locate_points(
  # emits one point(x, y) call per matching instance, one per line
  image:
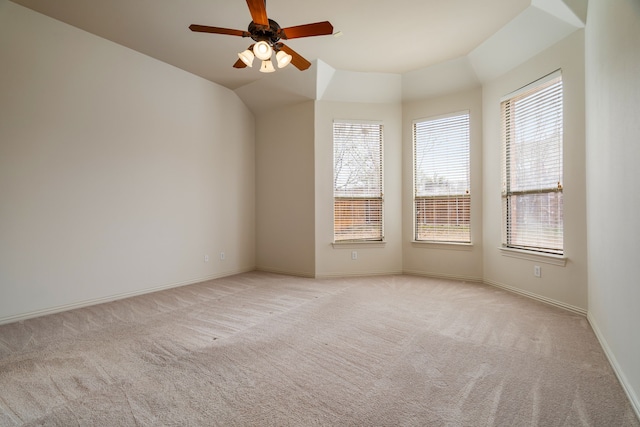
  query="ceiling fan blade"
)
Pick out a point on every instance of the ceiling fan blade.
point(218, 30)
point(298, 61)
point(258, 11)
point(308, 30)
point(239, 64)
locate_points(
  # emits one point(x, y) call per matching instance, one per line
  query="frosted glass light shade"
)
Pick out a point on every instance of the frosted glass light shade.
point(283, 59)
point(267, 67)
point(247, 57)
point(262, 50)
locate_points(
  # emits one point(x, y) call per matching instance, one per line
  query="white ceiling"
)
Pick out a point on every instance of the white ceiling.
point(377, 35)
point(415, 38)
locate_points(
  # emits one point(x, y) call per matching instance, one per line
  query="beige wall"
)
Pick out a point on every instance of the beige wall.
point(613, 155)
point(444, 260)
point(284, 182)
point(565, 285)
point(118, 173)
point(372, 258)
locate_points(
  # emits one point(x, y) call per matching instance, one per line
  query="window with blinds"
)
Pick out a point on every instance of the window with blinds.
point(532, 202)
point(442, 201)
point(357, 181)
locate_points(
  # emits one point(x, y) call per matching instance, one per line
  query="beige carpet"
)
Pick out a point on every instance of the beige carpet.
point(270, 350)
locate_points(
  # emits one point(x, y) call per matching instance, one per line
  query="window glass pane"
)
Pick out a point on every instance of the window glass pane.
point(442, 179)
point(443, 218)
point(535, 142)
point(357, 181)
point(357, 159)
point(536, 221)
point(357, 219)
point(532, 168)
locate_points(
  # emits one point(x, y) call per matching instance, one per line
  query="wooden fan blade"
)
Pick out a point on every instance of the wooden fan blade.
point(239, 64)
point(298, 61)
point(258, 11)
point(218, 30)
point(308, 30)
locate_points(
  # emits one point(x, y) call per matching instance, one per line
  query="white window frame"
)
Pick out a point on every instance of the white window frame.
point(350, 191)
point(525, 233)
point(452, 128)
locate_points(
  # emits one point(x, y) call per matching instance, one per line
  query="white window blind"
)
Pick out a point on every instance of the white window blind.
point(532, 167)
point(357, 181)
point(442, 202)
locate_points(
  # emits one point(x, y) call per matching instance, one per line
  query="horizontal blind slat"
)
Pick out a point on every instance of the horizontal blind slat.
point(357, 181)
point(532, 169)
point(442, 179)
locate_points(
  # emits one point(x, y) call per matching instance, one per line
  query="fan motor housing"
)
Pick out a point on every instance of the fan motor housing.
point(263, 33)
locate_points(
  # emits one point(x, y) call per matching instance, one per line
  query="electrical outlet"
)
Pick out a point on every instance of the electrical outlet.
point(537, 271)
point(206, 258)
point(354, 255)
point(222, 256)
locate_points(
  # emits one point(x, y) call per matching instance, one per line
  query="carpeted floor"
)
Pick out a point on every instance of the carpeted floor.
point(270, 350)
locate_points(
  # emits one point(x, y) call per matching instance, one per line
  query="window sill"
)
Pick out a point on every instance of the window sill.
point(560, 260)
point(352, 245)
point(442, 245)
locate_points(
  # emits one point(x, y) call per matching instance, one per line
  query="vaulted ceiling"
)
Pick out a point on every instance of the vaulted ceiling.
point(399, 36)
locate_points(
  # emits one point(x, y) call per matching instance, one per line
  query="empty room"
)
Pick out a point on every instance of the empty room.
point(345, 213)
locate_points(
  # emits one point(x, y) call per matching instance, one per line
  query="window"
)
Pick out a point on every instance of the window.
point(442, 202)
point(357, 181)
point(532, 199)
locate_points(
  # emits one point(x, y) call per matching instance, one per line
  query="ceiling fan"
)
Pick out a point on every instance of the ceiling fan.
point(267, 35)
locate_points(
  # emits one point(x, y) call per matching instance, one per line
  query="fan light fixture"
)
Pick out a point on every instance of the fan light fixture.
point(267, 66)
point(262, 50)
point(267, 34)
point(247, 57)
point(283, 59)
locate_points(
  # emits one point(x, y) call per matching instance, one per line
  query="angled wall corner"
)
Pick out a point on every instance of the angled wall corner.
point(561, 10)
point(324, 77)
point(579, 8)
point(447, 77)
point(285, 209)
point(359, 87)
point(284, 87)
point(530, 33)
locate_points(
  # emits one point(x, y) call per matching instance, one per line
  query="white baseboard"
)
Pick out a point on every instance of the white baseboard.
point(285, 272)
point(537, 297)
point(90, 302)
point(358, 274)
point(443, 276)
point(508, 288)
point(633, 397)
